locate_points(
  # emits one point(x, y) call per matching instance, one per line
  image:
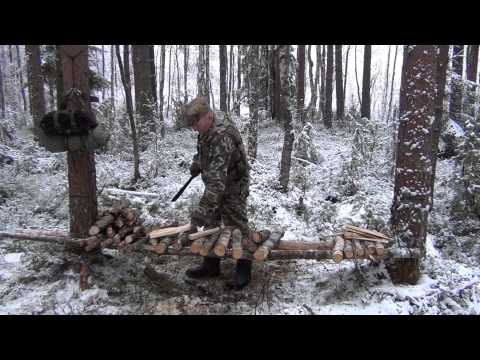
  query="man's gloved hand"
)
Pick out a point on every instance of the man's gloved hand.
point(195, 169)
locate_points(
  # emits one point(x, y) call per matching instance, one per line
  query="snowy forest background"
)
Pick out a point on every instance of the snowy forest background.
point(339, 126)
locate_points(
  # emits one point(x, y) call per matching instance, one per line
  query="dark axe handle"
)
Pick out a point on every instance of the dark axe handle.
point(183, 188)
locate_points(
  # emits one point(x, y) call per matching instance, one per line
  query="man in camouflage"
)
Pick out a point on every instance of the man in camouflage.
point(221, 160)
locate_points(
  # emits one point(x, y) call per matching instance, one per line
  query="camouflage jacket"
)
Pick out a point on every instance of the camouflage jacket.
point(223, 162)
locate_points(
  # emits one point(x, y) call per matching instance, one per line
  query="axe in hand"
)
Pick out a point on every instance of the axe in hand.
point(183, 188)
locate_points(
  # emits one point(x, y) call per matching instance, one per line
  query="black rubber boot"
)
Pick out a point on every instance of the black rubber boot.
point(242, 275)
point(209, 268)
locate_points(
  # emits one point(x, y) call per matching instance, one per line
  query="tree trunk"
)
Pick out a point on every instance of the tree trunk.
point(356, 79)
point(103, 71)
point(223, 77)
point(20, 76)
point(413, 176)
point(441, 78)
point(153, 76)
point(201, 72)
point(471, 86)
point(252, 76)
point(300, 84)
point(144, 100)
point(327, 119)
point(169, 78)
point(345, 78)
point(207, 76)
point(367, 59)
point(286, 97)
point(456, 96)
point(162, 85)
point(386, 87)
point(231, 80)
point(313, 82)
point(322, 83)
point(125, 76)
point(82, 186)
point(392, 84)
point(2, 93)
point(177, 68)
point(239, 81)
point(112, 78)
point(339, 84)
point(185, 73)
point(35, 84)
point(278, 86)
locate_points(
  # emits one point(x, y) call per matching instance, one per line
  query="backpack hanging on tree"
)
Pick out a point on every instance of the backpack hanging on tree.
point(71, 130)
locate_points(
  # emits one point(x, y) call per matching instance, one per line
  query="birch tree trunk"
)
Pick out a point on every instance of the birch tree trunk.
point(367, 59)
point(327, 119)
point(392, 84)
point(231, 79)
point(207, 85)
point(35, 84)
point(286, 95)
point(125, 76)
point(456, 96)
point(112, 78)
point(386, 87)
point(239, 81)
point(413, 176)
point(169, 78)
point(20, 77)
point(161, 87)
point(339, 84)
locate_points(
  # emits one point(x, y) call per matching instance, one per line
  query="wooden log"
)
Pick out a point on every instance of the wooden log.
point(367, 232)
point(115, 211)
point(92, 243)
point(36, 235)
point(84, 274)
point(259, 237)
point(106, 243)
point(180, 241)
point(133, 237)
point(169, 231)
point(380, 249)
point(237, 248)
point(337, 253)
point(358, 248)
point(119, 223)
point(223, 241)
point(348, 249)
point(304, 245)
point(370, 247)
point(202, 234)
point(353, 236)
point(249, 245)
point(162, 246)
point(110, 232)
point(197, 245)
point(263, 250)
point(120, 236)
point(101, 224)
point(209, 243)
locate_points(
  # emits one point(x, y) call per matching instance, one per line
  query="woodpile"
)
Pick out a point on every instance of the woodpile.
point(114, 228)
point(352, 243)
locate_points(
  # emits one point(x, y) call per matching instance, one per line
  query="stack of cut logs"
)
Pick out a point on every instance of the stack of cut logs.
point(352, 243)
point(115, 228)
point(219, 241)
point(356, 242)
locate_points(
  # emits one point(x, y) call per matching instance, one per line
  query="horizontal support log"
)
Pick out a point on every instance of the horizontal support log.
point(169, 231)
point(130, 193)
point(367, 232)
point(352, 236)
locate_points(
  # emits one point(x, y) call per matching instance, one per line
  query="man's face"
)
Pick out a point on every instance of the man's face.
point(203, 123)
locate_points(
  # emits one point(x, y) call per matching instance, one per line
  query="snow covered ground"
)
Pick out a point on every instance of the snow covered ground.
point(37, 278)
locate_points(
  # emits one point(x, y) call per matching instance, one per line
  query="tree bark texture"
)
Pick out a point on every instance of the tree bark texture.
point(223, 77)
point(413, 177)
point(300, 84)
point(339, 83)
point(456, 95)
point(35, 84)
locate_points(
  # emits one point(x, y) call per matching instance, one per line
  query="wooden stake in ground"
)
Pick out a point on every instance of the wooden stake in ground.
point(338, 249)
point(262, 252)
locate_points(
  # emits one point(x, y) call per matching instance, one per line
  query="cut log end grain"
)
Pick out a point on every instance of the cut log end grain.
point(337, 253)
point(261, 253)
point(197, 245)
point(380, 249)
point(348, 249)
